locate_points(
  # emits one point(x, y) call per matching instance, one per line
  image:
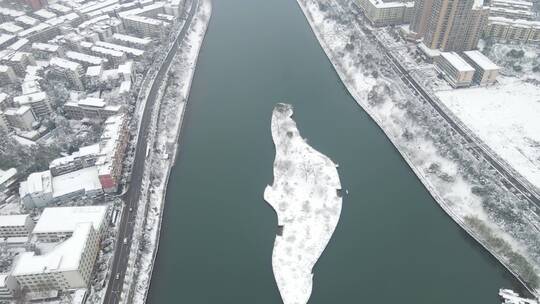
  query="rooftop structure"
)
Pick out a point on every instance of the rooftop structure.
point(67, 266)
point(455, 70)
point(65, 219)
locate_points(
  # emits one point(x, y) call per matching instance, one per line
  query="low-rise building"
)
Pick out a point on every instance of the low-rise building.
point(21, 118)
point(42, 188)
point(7, 75)
point(9, 287)
point(513, 30)
point(382, 13)
point(8, 182)
point(84, 59)
point(46, 50)
point(454, 69)
point(67, 266)
point(69, 70)
point(132, 41)
point(19, 225)
point(84, 158)
point(19, 61)
point(144, 25)
point(93, 108)
point(58, 223)
point(39, 102)
point(486, 71)
point(113, 147)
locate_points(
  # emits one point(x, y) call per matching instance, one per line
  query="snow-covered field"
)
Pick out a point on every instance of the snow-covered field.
point(463, 183)
point(308, 206)
point(507, 118)
point(166, 127)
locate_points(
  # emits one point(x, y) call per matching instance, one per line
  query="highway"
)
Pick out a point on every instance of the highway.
point(131, 197)
point(471, 140)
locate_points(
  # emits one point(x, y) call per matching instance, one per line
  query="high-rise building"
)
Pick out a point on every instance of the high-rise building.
point(449, 25)
point(419, 23)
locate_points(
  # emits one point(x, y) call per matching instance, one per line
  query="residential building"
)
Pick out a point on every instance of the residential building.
point(131, 52)
point(113, 147)
point(19, 61)
point(84, 59)
point(67, 266)
point(144, 25)
point(454, 69)
point(35, 4)
point(21, 118)
point(58, 223)
point(19, 225)
point(42, 188)
point(93, 108)
point(8, 182)
point(7, 75)
point(6, 39)
point(84, 158)
point(114, 57)
point(4, 125)
point(132, 41)
point(486, 71)
point(382, 13)
point(46, 50)
point(9, 287)
point(450, 25)
point(69, 70)
point(513, 31)
point(39, 102)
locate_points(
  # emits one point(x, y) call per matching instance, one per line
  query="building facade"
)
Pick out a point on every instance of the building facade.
point(449, 25)
point(486, 71)
point(19, 225)
point(454, 69)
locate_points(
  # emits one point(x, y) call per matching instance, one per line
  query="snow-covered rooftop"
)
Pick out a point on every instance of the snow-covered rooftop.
point(131, 39)
point(7, 175)
point(65, 64)
point(457, 62)
point(83, 152)
point(13, 220)
point(92, 102)
point(86, 180)
point(66, 219)
point(64, 257)
point(93, 60)
point(481, 60)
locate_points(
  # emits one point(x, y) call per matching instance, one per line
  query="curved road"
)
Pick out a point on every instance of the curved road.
point(131, 197)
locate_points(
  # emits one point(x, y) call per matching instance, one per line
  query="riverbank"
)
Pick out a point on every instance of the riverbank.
point(457, 180)
point(167, 121)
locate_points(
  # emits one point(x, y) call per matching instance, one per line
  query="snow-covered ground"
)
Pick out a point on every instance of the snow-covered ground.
point(462, 182)
point(166, 127)
point(306, 199)
point(506, 117)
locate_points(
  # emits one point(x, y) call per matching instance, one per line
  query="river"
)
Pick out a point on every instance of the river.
point(393, 244)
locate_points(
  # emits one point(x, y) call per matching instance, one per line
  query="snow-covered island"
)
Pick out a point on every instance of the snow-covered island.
point(306, 195)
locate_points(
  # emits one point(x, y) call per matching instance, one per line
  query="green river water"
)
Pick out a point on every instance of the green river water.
point(393, 244)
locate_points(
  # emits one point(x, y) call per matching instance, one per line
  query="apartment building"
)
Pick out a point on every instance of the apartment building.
point(8, 181)
point(84, 158)
point(39, 102)
point(382, 13)
point(454, 69)
point(69, 70)
point(132, 41)
point(450, 25)
point(84, 59)
point(512, 30)
point(46, 51)
point(113, 147)
point(19, 61)
point(58, 223)
point(7, 75)
point(21, 118)
point(93, 108)
point(67, 266)
point(19, 225)
point(486, 71)
point(9, 287)
point(42, 188)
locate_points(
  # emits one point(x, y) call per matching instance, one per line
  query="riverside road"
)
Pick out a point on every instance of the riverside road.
point(131, 197)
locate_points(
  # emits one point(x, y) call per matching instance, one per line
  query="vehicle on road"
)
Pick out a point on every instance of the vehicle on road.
point(125, 241)
point(117, 276)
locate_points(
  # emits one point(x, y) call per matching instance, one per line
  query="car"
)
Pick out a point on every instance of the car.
point(130, 209)
point(125, 241)
point(117, 276)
